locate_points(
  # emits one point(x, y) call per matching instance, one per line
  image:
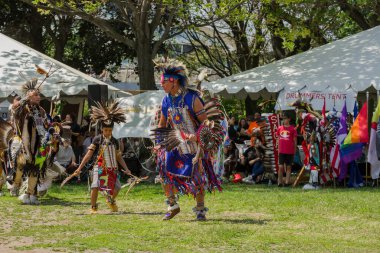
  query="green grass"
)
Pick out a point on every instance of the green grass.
point(241, 218)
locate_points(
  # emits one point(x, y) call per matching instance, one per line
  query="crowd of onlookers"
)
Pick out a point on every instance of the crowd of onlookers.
point(243, 152)
point(248, 157)
point(245, 163)
point(245, 157)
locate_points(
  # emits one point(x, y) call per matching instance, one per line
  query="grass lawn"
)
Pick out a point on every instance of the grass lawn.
point(243, 218)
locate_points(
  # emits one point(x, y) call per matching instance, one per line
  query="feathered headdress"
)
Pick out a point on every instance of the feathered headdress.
point(107, 115)
point(31, 85)
point(174, 70)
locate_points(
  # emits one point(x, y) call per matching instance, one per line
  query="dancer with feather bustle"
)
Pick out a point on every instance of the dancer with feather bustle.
point(107, 154)
point(31, 144)
point(189, 133)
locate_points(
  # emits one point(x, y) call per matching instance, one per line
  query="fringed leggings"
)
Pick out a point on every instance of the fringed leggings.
point(171, 191)
point(32, 179)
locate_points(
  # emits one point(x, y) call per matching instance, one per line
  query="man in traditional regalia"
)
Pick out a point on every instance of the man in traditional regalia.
point(29, 147)
point(188, 136)
point(106, 154)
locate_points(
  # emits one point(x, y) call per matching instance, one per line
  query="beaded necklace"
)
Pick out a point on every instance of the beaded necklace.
point(176, 112)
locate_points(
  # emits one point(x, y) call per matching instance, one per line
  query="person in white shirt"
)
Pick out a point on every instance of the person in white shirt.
point(66, 157)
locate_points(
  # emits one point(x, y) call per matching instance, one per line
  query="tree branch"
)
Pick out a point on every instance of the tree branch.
point(354, 14)
point(157, 17)
point(165, 34)
point(124, 10)
point(101, 23)
point(205, 56)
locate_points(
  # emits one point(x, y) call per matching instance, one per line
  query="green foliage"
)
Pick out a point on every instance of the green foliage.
point(86, 112)
point(84, 46)
point(146, 24)
point(22, 23)
point(91, 50)
point(58, 107)
point(258, 32)
point(266, 106)
point(228, 36)
point(234, 107)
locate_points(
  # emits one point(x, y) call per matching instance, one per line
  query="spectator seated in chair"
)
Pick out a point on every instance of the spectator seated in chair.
point(253, 158)
point(231, 155)
point(65, 156)
point(232, 129)
point(242, 131)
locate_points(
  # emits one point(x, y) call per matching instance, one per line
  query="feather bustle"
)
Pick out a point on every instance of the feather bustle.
point(29, 85)
point(6, 133)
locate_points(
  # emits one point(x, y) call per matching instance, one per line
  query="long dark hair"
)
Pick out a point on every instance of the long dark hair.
point(233, 145)
point(245, 125)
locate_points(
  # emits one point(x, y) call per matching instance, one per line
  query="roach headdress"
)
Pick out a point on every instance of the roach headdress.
point(175, 71)
point(31, 85)
point(107, 115)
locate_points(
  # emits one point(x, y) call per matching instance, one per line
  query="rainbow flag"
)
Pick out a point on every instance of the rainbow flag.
point(357, 138)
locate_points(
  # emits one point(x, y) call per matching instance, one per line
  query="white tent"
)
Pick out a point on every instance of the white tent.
point(17, 58)
point(343, 67)
point(140, 110)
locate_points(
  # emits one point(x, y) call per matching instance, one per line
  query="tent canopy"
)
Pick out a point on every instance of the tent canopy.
point(17, 60)
point(140, 110)
point(349, 63)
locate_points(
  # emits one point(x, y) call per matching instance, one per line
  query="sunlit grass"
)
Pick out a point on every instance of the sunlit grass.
point(242, 218)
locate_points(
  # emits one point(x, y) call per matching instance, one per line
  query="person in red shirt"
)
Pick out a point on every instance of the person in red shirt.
point(287, 143)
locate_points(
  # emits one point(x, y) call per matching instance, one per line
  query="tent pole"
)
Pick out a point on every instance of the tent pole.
point(51, 107)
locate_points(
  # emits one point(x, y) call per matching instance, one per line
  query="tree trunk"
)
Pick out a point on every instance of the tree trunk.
point(145, 66)
point(62, 34)
point(354, 13)
point(278, 49)
point(275, 24)
point(59, 50)
point(251, 106)
point(36, 38)
point(36, 31)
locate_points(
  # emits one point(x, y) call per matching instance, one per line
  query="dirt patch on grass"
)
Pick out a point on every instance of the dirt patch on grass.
point(9, 245)
point(6, 226)
point(10, 250)
point(343, 218)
